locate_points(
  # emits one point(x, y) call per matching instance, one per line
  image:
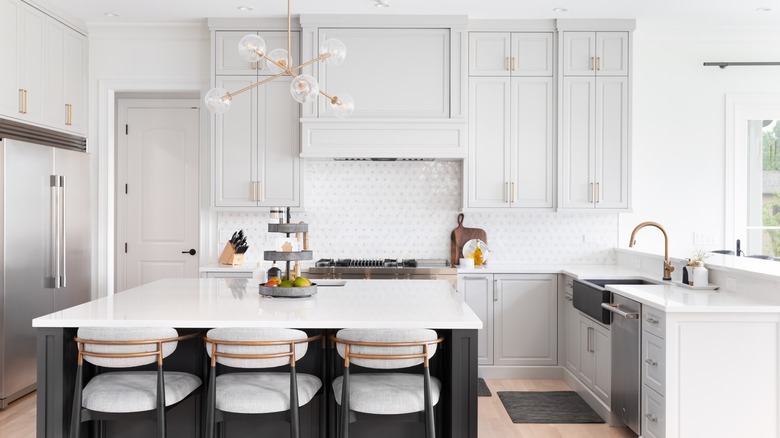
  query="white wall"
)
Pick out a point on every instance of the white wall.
point(679, 128)
point(133, 59)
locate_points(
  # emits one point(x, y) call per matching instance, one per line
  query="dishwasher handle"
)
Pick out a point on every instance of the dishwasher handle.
point(615, 308)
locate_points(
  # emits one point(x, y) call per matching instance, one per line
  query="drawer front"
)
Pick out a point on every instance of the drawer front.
point(654, 321)
point(653, 414)
point(654, 362)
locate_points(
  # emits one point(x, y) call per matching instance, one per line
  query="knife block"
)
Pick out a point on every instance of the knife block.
point(229, 256)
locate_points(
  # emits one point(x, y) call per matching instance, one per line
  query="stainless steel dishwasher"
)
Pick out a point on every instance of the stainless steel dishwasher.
point(626, 360)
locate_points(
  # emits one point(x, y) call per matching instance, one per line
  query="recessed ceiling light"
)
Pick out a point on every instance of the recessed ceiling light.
point(560, 10)
point(111, 14)
point(245, 8)
point(382, 3)
point(763, 9)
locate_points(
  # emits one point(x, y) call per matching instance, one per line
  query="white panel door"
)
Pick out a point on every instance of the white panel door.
point(579, 53)
point(489, 136)
point(489, 54)
point(526, 320)
point(532, 54)
point(477, 291)
point(76, 96)
point(396, 73)
point(612, 53)
point(162, 195)
point(9, 51)
point(235, 146)
point(579, 137)
point(33, 56)
point(532, 142)
point(54, 111)
point(278, 148)
point(611, 149)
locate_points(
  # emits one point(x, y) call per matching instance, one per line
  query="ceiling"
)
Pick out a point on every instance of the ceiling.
point(688, 13)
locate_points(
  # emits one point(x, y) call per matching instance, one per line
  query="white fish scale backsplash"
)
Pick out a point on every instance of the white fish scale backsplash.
point(365, 209)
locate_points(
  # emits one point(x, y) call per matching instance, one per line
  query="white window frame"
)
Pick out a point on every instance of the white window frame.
point(740, 108)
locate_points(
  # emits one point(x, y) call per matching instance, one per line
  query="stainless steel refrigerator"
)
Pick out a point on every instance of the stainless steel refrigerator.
point(46, 246)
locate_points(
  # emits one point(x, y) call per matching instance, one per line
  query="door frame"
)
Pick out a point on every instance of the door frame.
point(124, 103)
point(104, 166)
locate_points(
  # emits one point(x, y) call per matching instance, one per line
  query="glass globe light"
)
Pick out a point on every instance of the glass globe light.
point(249, 46)
point(337, 50)
point(279, 55)
point(217, 100)
point(344, 105)
point(304, 88)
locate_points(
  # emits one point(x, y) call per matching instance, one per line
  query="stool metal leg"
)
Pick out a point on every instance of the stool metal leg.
point(295, 422)
point(211, 402)
point(75, 417)
point(345, 404)
point(430, 431)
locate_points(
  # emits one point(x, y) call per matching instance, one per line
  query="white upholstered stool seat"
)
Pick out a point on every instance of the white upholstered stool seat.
point(260, 393)
point(387, 393)
point(128, 391)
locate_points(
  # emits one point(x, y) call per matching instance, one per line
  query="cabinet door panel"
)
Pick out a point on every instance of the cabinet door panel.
point(532, 54)
point(396, 73)
point(578, 141)
point(489, 53)
point(532, 142)
point(572, 348)
point(579, 53)
point(587, 352)
point(612, 53)
point(227, 60)
point(33, 54)
point(602, 376)
point(612, 142)
point(477, 291)
point(526, 320)
point(75, 80)
point(278, 146)
point(54, 113)
point(9, 51)
point(489, 131)
point(235, 146)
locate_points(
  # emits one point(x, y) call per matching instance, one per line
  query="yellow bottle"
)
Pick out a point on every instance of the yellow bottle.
point(478, 256)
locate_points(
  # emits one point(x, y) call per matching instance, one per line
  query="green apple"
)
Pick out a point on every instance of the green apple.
point(302, 282)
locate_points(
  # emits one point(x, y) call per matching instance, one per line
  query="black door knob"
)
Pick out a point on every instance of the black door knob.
point(190, 252)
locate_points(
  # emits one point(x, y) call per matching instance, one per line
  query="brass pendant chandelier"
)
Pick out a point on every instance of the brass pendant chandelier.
point(303, 88)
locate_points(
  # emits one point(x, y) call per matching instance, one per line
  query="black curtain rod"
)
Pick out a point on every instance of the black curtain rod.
point(723, 65)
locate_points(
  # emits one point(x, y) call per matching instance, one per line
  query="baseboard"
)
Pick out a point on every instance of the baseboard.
point(519, 372)
point(4, 402)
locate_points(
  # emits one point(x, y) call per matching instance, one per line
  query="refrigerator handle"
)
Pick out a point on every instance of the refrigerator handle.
point(63, 233)
point(54, 266)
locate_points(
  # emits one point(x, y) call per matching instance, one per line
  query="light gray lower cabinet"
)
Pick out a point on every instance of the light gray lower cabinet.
point(519, 315)
point(572, 336)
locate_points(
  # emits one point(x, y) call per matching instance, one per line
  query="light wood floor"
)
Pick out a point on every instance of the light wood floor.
point(18, 420)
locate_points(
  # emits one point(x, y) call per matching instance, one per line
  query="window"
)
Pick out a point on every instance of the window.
point(753, 173)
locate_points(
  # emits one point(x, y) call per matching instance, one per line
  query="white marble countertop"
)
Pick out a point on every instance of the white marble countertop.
point(234, 302)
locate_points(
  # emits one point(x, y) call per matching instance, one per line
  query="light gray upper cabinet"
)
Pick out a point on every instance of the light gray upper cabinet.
point(390, 73)
point(256, 146)
point(44, 75)
point(228, 62)
point(595, 53)
point(595, 114)
point(511, 122)
point(511, 54)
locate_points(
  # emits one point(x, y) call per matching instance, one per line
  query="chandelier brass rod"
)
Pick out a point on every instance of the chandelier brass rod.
point(230, 95)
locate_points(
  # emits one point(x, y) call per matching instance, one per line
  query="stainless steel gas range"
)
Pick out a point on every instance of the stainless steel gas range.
point(385, 269)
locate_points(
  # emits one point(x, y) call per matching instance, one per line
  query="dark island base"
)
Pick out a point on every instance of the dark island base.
point(455, 365)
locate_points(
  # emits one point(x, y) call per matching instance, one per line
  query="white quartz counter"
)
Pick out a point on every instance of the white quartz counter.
point(233, 302)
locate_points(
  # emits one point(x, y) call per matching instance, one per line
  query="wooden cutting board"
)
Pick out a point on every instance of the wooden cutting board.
point(460, 235)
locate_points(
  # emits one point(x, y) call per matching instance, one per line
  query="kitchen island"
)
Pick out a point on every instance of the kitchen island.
point(200, 304)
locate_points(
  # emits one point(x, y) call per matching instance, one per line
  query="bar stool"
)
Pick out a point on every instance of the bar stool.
point(121, 394)
point(377, 393)
point(241, 394)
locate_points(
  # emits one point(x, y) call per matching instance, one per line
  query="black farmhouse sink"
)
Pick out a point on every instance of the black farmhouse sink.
point(589, 294)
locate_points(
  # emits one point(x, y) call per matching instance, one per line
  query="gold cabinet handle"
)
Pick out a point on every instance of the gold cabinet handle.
point(22, 101)
point(260, 191)
point(592, 197)
point(591, 63)
point(514, 63)
point(69, 114)
point(598, 63)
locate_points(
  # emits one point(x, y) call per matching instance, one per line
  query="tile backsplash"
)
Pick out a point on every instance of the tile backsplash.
point(365, 209)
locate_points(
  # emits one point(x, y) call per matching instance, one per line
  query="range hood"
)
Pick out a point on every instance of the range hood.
point(384, 139)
